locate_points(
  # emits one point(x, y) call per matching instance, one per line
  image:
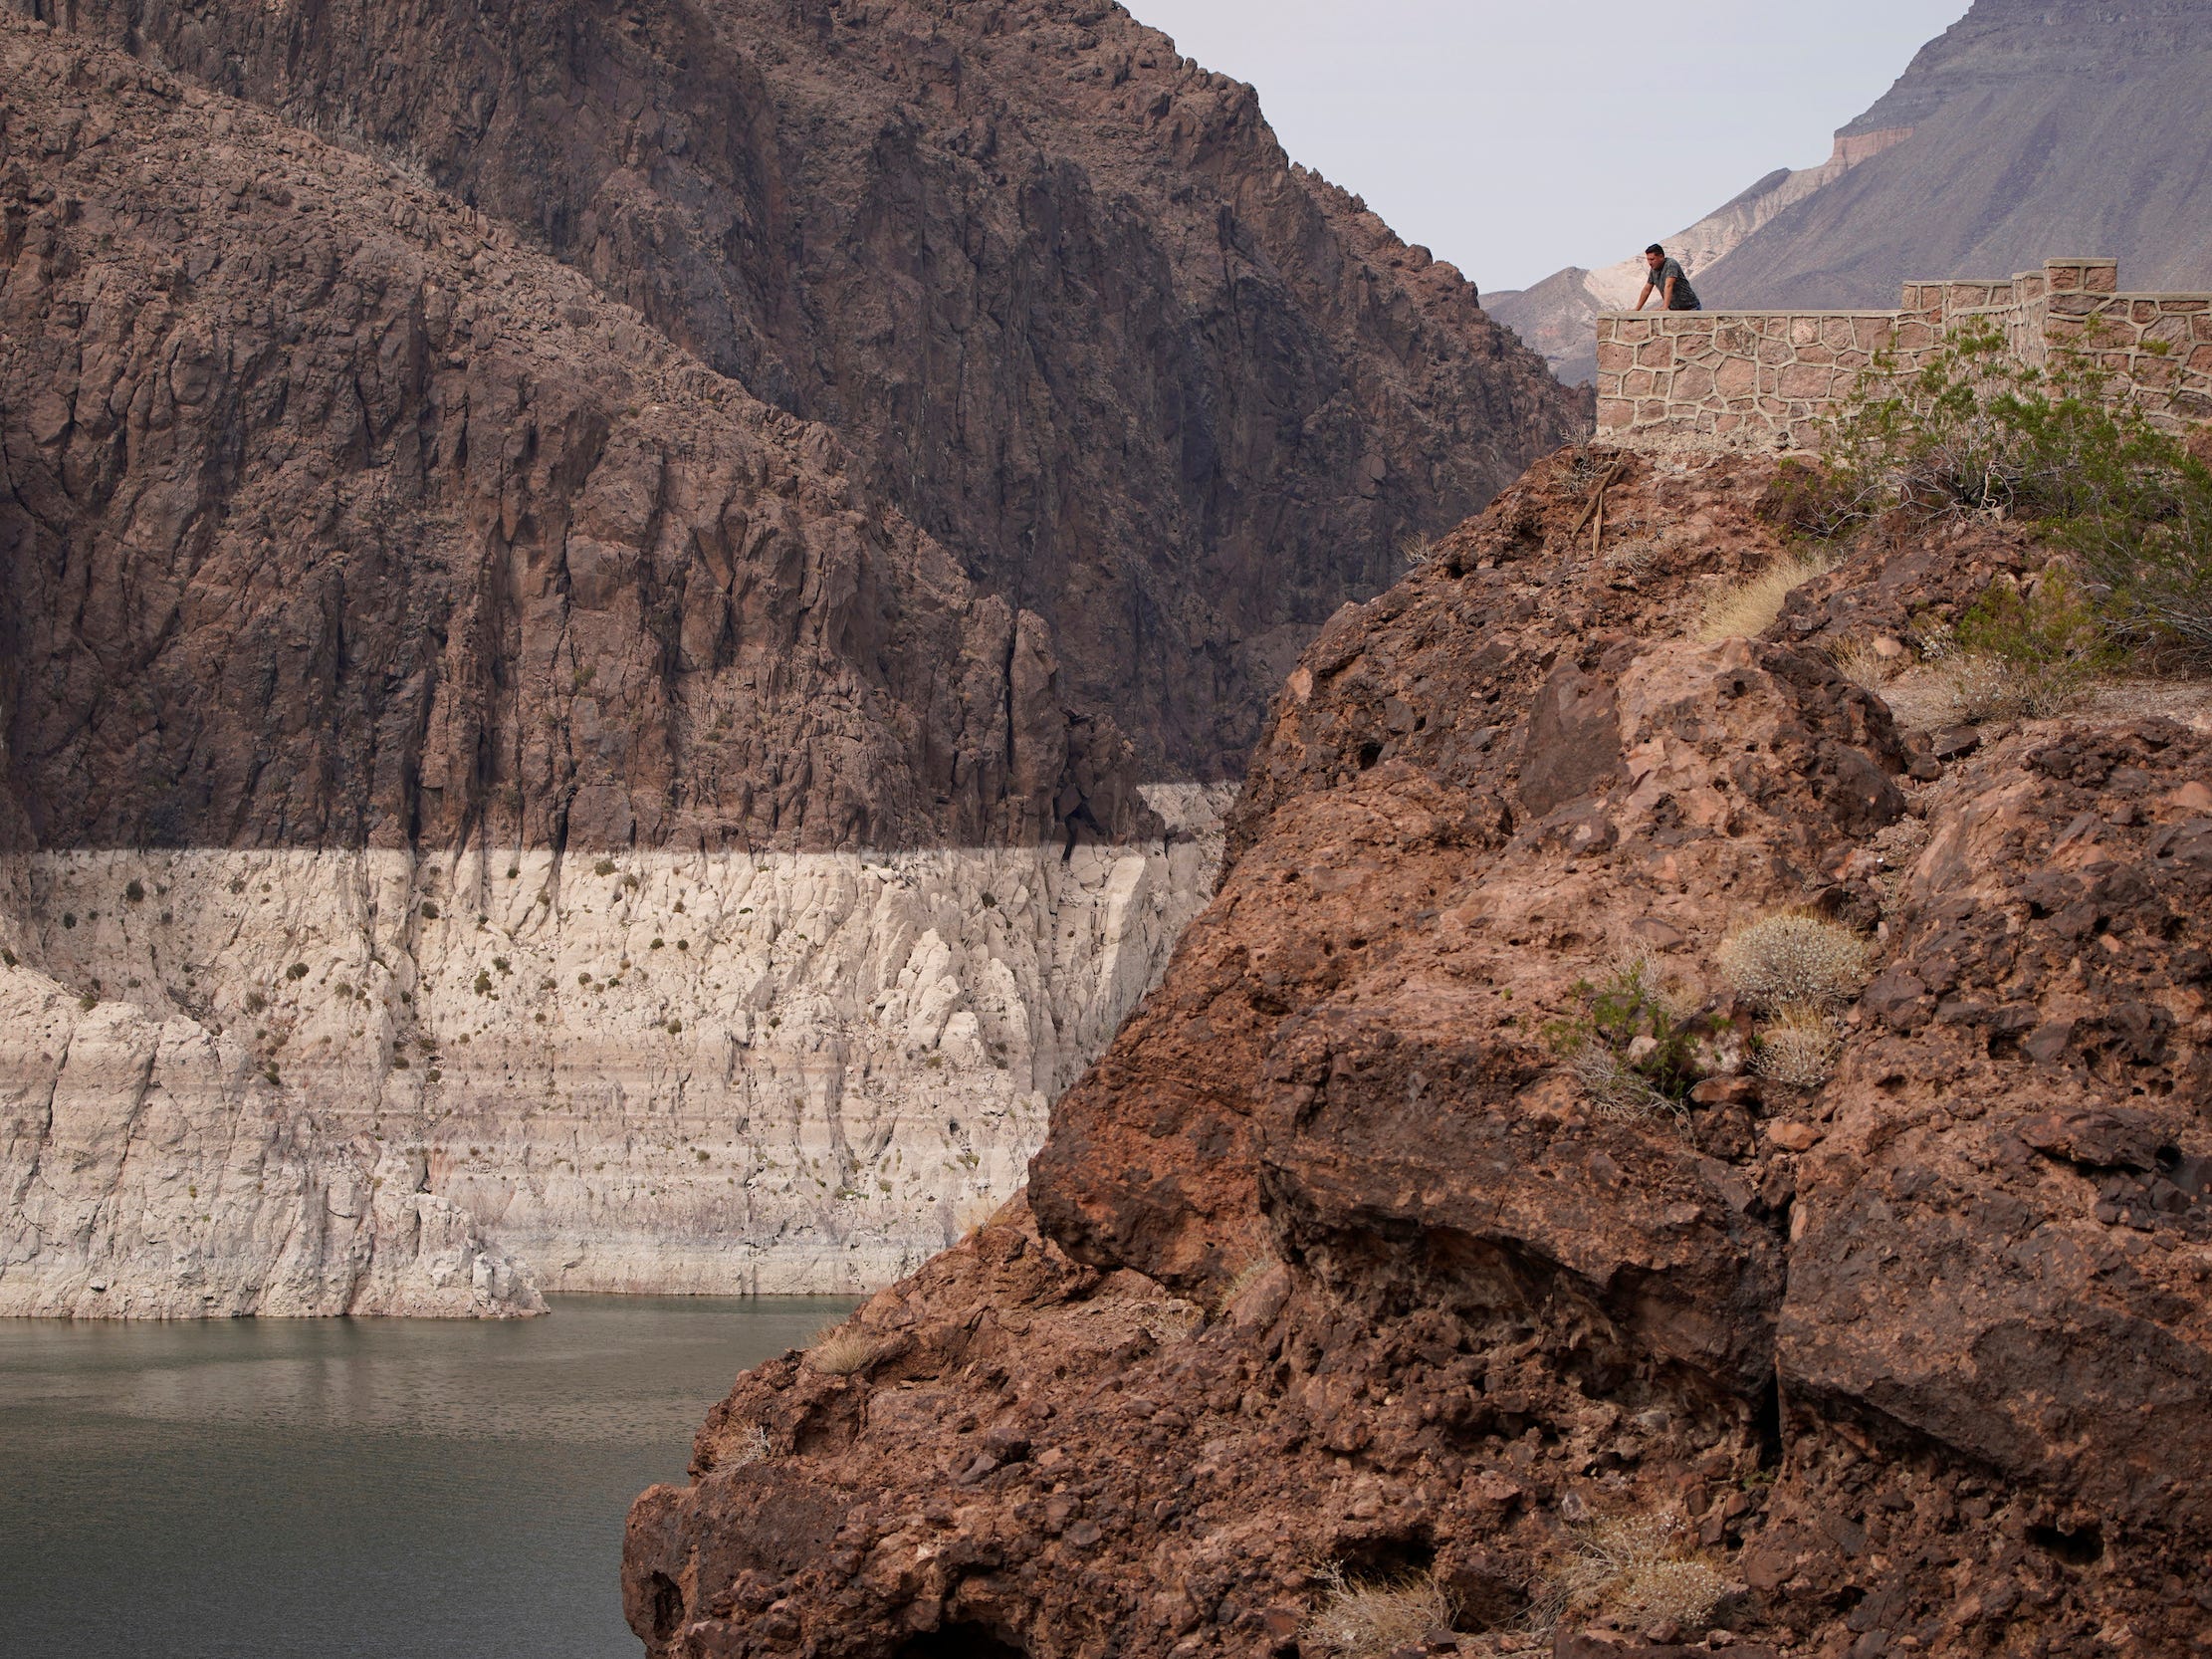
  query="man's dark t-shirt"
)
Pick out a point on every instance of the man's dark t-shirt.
point(1685, 297)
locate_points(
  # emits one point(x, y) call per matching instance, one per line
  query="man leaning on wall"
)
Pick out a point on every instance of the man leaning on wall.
point(1667, 279)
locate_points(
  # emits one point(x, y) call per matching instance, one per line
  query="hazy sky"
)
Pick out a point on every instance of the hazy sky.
point(1515, 138)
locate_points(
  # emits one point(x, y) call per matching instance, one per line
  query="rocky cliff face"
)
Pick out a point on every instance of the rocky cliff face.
point(1056, 286)
point(1336, 1267)
point(2034, 128)
point(463, 752)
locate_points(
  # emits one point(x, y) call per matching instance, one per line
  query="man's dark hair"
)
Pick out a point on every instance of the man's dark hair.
point(1654, 248)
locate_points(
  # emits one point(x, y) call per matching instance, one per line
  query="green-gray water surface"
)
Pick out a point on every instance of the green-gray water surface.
point(350, 1489)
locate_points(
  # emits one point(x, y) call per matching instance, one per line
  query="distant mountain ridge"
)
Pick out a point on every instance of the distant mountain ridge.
point(1556, 316)
point(2028, 128)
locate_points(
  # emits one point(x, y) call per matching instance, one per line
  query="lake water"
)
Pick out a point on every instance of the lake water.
point(351, 1488)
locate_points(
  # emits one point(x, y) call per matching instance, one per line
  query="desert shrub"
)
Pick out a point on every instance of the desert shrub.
point(1748, 608)
point(1369, 1618)
point(1174, 1321)
point(1246, 1278)
point(1795, 958)
point(1814, 500)
point(1417, 549)
point(136, 892)
point(1798, 1049)
point(2025, 652)
point(838, 1352)
point(1632, 1046)
point(1639, 1568)
point(751, 1446)
point(1975, 431)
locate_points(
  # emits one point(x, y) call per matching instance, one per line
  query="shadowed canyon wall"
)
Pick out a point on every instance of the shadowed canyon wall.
point(408, 658)
point(1057, 287)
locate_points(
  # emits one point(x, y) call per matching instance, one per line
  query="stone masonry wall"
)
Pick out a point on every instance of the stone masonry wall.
point(1768, 379)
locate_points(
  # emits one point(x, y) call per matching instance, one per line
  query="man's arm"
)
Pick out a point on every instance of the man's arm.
point(1670, 304)
point(1643, 299)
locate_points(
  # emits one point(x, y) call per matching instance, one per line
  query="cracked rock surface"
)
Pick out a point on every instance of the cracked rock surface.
point(1332, 1263)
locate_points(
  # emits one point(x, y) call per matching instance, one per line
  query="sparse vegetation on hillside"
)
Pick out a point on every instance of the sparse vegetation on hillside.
point(1795, 959)
point(1371, 1618)
point(1798, 1049)
point(2120, 501)
point(1642, 1569)
point(1631, 1044)
point(839, 1352)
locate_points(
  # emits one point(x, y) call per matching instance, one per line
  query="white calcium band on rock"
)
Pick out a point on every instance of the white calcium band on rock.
point(320, 1082)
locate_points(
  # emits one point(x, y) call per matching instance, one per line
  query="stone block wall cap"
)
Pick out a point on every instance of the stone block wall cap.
point(2081, 259)
point(1776, 311)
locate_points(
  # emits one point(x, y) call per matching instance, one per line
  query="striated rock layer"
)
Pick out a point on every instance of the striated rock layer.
point(1057, 287)
point(1334, 1264)
point(656, 1072)
point(393, 630)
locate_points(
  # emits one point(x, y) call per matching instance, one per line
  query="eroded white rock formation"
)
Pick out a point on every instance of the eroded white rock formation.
point(307, 1082)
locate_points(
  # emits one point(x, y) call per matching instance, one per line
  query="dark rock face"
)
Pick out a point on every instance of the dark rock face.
point(2037, 128)
point(1333, 1260)
point(336, 516)
point(1057, 287)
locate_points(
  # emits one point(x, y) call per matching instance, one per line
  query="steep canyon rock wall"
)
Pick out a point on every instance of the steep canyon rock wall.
point(1057, 287)
point(407, 658)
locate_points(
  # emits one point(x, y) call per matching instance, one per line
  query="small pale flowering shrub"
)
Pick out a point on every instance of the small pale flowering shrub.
point(1798, 1049)
point(1794, 957)
point(1368, 1618)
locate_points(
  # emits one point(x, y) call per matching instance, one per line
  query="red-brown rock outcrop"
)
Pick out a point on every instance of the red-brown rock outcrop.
point(1057, 287)
point(1333, 1262)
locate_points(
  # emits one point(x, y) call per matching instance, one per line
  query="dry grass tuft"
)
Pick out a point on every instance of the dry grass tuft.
point(1798, 1049)
point(1795, 957)
point(1174, 1321)
point(1366, 1620)
point(1417, 549)
point(1639, 1568)
point(840, 1352)
point(1251, 1273)
point(1682, 1592)
point(1748, 608)
point(1981, 687)
point(1861, 662)
point(1614, 1088)
point(751, 1446)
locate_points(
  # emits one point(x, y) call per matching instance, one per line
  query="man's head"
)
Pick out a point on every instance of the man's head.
point(1655, 256)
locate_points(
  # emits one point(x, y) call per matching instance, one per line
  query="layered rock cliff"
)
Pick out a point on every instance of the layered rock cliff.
point(475, 777)
point(1353, 1259)
point(2030, 127)
point(2026, 130)
point(1056, 286)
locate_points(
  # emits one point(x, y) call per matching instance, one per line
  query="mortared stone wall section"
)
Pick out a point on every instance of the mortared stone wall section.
point(1767, 379)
